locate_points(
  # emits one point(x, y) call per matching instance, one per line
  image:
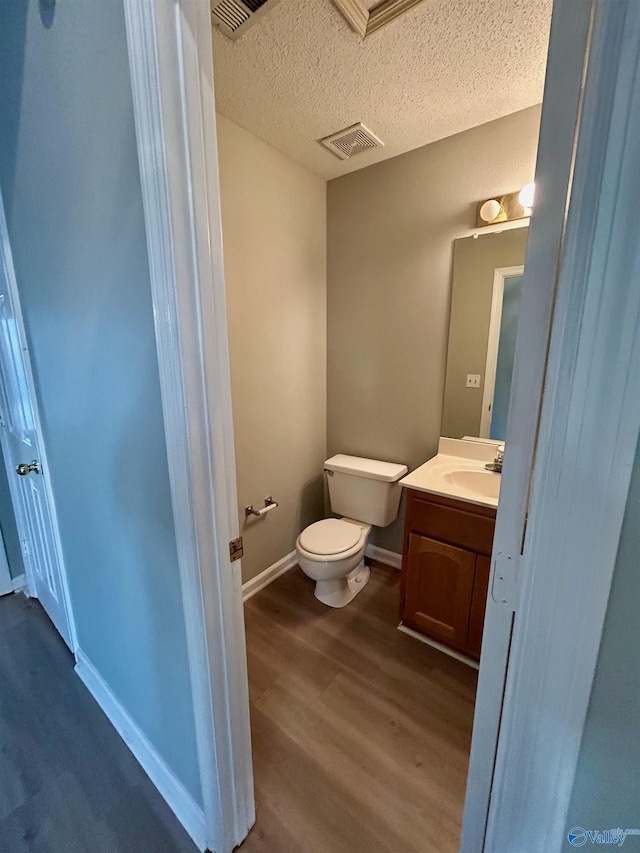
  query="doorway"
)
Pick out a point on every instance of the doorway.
point(375, 349)
point(390, 233)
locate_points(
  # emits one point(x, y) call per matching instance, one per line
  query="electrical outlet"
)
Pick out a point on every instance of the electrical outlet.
point(473, 380)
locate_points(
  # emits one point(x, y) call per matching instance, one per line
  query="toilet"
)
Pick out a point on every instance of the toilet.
point(366, 493)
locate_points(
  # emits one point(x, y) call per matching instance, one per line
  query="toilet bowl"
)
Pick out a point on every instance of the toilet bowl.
point(331, 552)
point(365, 492)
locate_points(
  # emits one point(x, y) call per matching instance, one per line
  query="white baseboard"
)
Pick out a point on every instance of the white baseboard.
point(439, 646)
point(251, 587)
point(179, 800)
point(19, 583)
point(389, 558)
point(268, 576)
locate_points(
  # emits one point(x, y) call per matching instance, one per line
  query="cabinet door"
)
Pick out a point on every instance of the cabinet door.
point(478, 605)
point(439, 588)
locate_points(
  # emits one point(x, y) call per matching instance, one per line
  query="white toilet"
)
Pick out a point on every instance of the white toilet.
point(331, 552)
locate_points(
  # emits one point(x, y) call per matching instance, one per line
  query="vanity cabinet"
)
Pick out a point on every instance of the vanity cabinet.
point(445, 569)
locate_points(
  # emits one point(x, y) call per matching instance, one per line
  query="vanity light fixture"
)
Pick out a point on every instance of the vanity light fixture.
point(506, 208)
point(492, 211)
point(526, 197)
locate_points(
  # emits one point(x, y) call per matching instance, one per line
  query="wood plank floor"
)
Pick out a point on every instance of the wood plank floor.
point(361, 734)
point(68, 783)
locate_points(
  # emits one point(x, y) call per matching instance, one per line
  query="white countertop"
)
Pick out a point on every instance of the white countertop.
point(458, 472)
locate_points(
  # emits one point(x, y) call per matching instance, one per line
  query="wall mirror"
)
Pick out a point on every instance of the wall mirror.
point(485, 306)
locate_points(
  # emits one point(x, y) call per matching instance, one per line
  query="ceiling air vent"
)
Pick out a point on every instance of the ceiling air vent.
point(351, 141)
point(235, 17)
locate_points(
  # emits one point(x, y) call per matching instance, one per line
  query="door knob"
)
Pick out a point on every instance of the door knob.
point(22, 469)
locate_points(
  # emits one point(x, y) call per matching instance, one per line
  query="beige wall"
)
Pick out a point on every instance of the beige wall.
point(474, 264)
point(274, 230)
point(391, 229)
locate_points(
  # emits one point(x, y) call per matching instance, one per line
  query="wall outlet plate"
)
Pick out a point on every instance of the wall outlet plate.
point(473, 380)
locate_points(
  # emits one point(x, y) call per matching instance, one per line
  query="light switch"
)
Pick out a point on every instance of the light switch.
point(473, 380)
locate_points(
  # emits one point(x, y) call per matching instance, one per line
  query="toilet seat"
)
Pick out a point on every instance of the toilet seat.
point(335, 558)
point(330, 536)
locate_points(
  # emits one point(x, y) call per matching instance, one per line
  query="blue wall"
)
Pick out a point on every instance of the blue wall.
point(606, 791)
point(8, 526)
point(69, 175)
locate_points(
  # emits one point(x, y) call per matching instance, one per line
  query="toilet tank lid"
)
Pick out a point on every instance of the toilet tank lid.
point(373, 469)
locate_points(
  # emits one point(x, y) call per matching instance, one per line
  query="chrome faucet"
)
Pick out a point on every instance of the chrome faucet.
point(497, 463)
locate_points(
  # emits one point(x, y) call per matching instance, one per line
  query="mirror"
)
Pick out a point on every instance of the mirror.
point(485, 304)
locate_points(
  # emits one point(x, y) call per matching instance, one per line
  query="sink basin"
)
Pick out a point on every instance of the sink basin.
point(458, 472)
point(484, 484)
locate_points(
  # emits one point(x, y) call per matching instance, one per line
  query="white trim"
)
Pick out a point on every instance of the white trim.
point(588, 437)
point(498, 228)
point(491, 364)
point(439, 646)
point(251, 587)
point(179, 800)
point(389, 558)
point(365, 21)
point(170, 52)
point(387, 12)
point(19, 583)
point(568, 55)
point(355, 13)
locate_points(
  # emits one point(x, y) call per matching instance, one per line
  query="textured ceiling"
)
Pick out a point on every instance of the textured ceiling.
point(446, 65)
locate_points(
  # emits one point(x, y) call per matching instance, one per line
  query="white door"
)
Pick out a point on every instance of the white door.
point(23, 454)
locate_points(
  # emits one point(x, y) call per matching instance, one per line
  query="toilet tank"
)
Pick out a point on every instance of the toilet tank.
point(364, 489)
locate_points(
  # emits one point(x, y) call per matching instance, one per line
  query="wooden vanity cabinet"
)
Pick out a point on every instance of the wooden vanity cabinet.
point(445, 569)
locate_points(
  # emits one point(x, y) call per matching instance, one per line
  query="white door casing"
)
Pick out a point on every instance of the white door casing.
point(22, 442)
point(171, 66)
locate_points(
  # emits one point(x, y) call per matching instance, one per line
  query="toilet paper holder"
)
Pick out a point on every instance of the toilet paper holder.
point(269, 504)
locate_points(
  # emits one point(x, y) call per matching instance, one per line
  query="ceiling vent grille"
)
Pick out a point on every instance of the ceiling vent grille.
point(351, 141)
point(235, 17)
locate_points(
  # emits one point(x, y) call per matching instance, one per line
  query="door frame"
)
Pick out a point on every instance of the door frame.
point(171, 68)
point(30, 400)
point(491, 363)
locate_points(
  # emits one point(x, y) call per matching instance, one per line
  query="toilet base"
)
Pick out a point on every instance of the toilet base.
point(338, 593)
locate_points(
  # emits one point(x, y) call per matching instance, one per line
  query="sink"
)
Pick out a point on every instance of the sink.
point(458, 472)
point(485, 484)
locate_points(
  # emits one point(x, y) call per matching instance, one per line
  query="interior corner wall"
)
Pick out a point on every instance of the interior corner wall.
point(274, 231)
point(390, 236)
point(70, 180)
